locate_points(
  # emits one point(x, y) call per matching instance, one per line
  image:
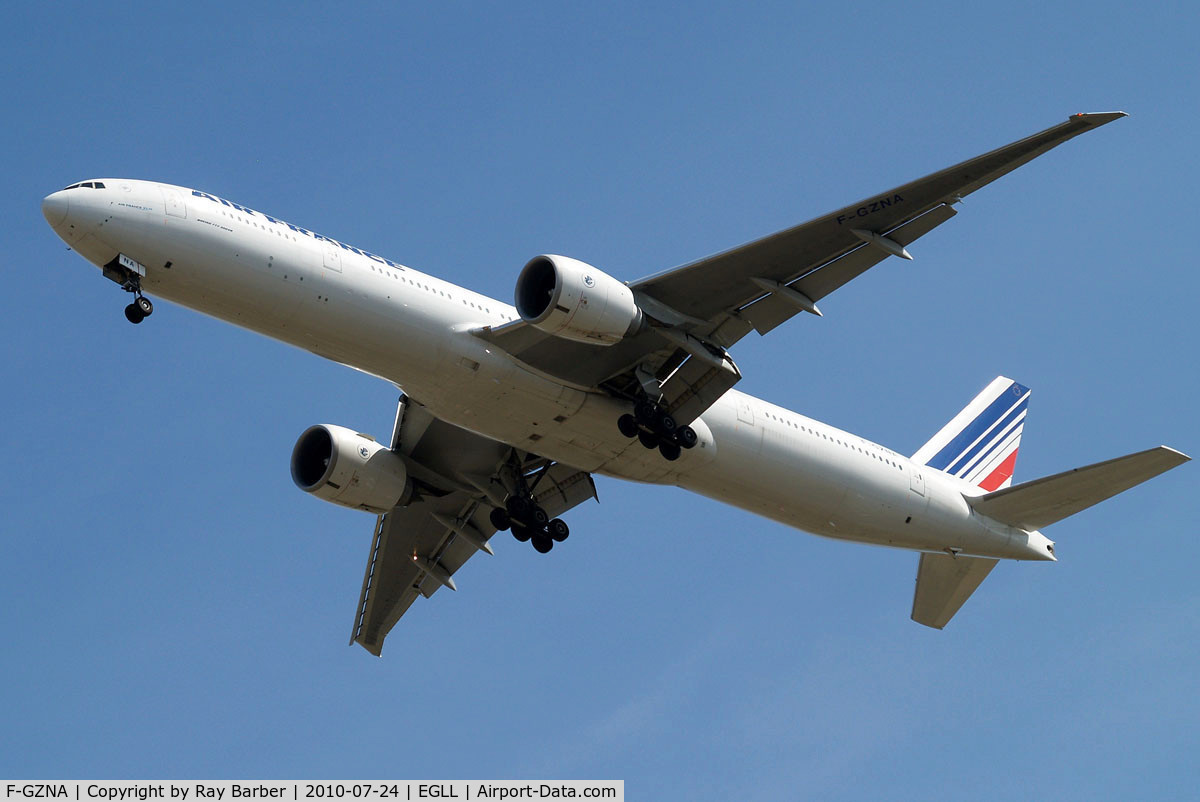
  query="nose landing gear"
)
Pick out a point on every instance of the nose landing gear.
point(128, 273)
point(140, 309)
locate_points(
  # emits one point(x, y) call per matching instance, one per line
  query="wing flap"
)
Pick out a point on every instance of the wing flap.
point(417, 549)
point(944, 583)
point(711, 286)
point(774, 309)
point(719, 299)
point(1041, 502)
point(393, 580)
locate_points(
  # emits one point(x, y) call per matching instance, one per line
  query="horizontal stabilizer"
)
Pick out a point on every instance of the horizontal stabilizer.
point(1041, 502)
point(944, 583)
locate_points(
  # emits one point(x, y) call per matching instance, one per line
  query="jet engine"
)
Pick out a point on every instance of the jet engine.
point(351, 469)
point(573, 300)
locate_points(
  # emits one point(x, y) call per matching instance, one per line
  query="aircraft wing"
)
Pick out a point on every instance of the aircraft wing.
point(707, 306)
point(460, 476)
point(716, 286)
point(393, 580)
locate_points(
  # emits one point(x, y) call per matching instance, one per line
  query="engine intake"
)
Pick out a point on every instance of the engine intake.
point(347, 468)
point(571, 299)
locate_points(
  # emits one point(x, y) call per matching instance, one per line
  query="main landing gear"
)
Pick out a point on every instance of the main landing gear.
point(529, 522)
point(654, 428)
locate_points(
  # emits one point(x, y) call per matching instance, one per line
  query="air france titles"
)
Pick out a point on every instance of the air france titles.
point(246, 210)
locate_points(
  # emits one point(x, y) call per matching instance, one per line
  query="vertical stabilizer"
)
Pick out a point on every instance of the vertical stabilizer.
point(980, 443)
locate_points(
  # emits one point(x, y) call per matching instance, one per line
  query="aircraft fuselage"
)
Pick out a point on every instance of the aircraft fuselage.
point(414, 330)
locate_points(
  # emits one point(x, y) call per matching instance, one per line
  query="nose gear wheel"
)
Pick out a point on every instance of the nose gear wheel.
point(141, 308)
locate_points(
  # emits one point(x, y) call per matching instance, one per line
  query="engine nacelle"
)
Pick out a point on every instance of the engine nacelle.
point(340, 465)
point(571, 299)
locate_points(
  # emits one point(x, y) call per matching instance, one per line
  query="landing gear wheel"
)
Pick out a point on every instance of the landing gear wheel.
point(667, 424)
point(517, 506)
point(669, 450)
point(686, 436)
point(144, 305)
point(645, 412)
point(500, 519)
point(520, 532)
point(134, 314)
point(559, 530)
point(648, 440)
point(628, 425)
point(542, 542)
point(540, 517)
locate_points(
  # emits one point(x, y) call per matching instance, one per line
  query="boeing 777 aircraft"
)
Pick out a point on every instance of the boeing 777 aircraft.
point(506, 412)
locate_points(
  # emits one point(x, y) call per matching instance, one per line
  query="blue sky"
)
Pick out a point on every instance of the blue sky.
point(175, 607)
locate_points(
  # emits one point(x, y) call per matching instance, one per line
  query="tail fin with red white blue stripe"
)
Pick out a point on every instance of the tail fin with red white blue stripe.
point(980, 443)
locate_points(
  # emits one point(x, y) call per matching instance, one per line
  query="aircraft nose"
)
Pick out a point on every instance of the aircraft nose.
point(55, 207)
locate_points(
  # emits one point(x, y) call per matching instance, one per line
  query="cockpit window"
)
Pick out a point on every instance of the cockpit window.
point(73, 186)
point(87, 184)
point(99, 185)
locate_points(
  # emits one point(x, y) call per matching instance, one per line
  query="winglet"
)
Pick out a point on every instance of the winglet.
point(1098, 118)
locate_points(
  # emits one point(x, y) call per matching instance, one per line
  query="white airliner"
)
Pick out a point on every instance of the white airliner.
point(506, 412)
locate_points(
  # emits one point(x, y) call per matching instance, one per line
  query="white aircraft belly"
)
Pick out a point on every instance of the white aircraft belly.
point(750, 461)
point(413, 330)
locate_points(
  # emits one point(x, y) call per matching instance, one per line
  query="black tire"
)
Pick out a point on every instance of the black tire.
point(559, 531)
point(628, 425)
point(520, 532)
point(648, 440)
point(540, 517)
point(542, 543)
point(686, 437)
point(143, 304)
point(667, 424)
point(500, 519)
point(133, 314)
point(669, 450)
point(644, 412)
point(517, 506)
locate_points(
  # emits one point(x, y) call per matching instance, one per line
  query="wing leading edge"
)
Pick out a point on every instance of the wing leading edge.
point(709, 305)
point(417, 549)
point(712, 286)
